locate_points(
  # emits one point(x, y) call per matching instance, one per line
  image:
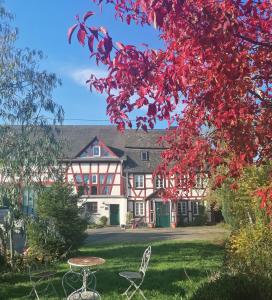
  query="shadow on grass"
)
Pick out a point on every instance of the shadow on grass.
point(165, 275)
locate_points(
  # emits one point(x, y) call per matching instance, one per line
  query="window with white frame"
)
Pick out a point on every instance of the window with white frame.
point(94, 179)
point(144, 155)
point(195, 208)
point(182, 208)
point(92, 207)
point(159, 182)
point(139, 181)
point(139, 209)
point(96, 150)
point(199, 182)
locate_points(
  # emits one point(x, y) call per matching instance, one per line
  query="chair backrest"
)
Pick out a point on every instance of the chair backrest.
point(145, 260)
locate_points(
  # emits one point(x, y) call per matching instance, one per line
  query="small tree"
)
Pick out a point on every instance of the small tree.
point(28, 147)
point(58, 226)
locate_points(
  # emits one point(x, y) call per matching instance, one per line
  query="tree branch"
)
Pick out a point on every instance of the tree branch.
point(269, 45)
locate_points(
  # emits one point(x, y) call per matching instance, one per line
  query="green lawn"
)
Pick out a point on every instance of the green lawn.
point(165, 278)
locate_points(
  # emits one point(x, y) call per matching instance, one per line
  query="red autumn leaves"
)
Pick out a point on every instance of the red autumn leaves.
point(212, 80)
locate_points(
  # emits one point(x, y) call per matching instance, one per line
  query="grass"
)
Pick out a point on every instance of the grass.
point(176, 270)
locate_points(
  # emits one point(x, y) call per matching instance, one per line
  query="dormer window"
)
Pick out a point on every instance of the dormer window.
point(96, 150)
point(144, 155)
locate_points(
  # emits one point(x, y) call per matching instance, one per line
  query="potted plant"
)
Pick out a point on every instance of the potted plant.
point(174, 224)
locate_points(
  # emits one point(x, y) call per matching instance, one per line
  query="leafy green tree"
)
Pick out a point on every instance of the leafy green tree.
point(59, 226)
point(28, 146)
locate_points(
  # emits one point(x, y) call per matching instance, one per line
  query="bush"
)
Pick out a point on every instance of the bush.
point(249, 250)
point(240, 205)
point(234, 287)
point(103, 220)
point(58, 226)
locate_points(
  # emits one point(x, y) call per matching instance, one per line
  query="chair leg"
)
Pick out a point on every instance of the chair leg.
point(137, 288)
point(141, 292)
point(127, 290)
point(36, 293)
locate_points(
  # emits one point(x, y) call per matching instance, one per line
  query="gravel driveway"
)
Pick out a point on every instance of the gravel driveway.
point(118, 235)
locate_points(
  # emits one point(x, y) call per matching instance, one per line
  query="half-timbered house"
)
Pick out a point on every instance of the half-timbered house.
point(113, 172)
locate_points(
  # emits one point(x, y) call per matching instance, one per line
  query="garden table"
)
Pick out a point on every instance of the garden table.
point(85, 264)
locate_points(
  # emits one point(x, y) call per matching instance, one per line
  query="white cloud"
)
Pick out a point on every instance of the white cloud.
point(80, 76)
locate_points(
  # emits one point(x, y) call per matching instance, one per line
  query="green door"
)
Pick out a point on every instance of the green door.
point(162, 214)
point(114, 214)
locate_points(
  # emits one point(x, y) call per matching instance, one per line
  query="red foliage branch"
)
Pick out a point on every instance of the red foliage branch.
point(213, 80)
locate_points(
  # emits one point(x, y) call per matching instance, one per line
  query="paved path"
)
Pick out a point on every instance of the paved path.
point(118, 235)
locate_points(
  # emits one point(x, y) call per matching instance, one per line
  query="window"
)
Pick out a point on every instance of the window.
point(159, 182)
point(86, 178)
point(182, 208)
point(94, 190)
point(139, 209)
point(92, 207)
point(195, 208)
point(96, 150)
point(78, 178)
point(105, 190)
point(199, 182)
point(94, 179)
point(139, 181)
point(101, 179)
point(144, 155)
point(109, 179)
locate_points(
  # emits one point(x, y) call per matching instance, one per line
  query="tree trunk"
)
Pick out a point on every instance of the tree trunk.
point(11, 248)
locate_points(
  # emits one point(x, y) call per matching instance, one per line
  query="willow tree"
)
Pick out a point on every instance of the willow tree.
point(28, 145)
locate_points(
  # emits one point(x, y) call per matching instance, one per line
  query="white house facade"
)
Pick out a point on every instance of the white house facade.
point(113, 173)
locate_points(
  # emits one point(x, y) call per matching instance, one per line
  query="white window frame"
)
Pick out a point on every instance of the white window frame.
point(139, 183)
point(199, 182)
point(195, 205)
point(184, 208)
point(146, 153)
point(139, 209)
point(94, 181)
point(99, 151)
point(159, 182)
point(92, 211)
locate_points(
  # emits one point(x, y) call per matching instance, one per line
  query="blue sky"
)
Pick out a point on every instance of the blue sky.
point(43, 25)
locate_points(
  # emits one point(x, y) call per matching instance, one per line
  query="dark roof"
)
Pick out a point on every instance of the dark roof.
point(127, 146)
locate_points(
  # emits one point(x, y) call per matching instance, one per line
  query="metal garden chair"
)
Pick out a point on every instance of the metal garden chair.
point(136, 279)
point(41, 274)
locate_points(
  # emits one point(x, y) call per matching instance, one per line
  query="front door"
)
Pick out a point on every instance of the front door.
point(114, 214)
point(162, 214)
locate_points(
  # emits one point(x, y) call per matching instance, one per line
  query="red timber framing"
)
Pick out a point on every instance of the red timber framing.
point(149, 187)
point(84, 179)
point(96, 142)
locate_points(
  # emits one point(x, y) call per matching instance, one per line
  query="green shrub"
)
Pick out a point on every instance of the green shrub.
point(241, 206)
point(249, 250)
point(58, 226)
point(234, 287)
point(103, 220)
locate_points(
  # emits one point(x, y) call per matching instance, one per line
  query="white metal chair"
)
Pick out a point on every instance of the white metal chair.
point(38, 274)
point(136, 279)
